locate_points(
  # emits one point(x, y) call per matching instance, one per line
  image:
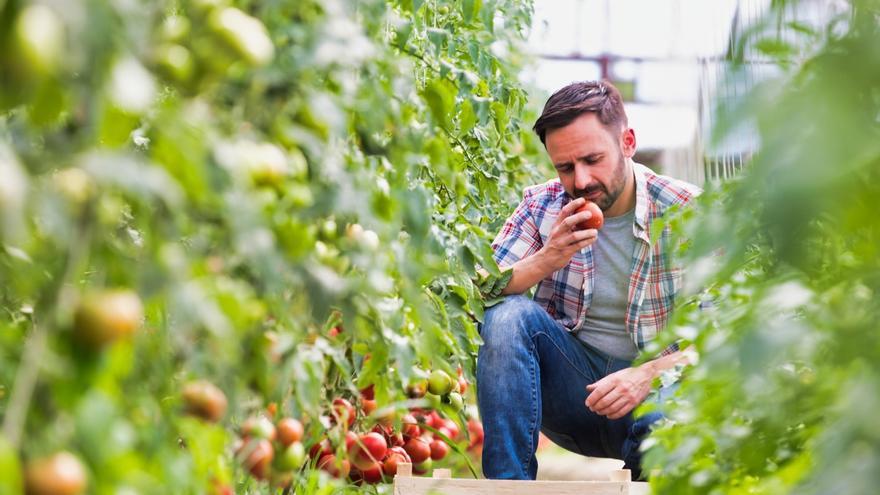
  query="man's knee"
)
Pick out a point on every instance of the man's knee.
point(511, 318)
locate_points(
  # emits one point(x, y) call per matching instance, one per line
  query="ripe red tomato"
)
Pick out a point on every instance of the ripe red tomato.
point(434, 420)
point(351, 438)
point(439, 449)
point(320, 449)
point(410, 427)
point(596, 221)
point(394, 438)
point(368, 450)
point(395, 456)
point(368, 406)
point(289, 430)
point(204, 400)
point(418, 449)
point(343, 412)
point(454, 431)
point(256, 456)
point(368, 392)
point(372, 474)
point(60, 474)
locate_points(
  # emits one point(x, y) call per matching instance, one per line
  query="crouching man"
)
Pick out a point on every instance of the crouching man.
point(561, 363)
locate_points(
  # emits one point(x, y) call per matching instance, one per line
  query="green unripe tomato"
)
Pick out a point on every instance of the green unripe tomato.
point(106, 316)
point(455, 400)
point(246, 35)
point(175, 61)
point(440, 383)
point(259, 427)
point(291, 457)
point(175, 28)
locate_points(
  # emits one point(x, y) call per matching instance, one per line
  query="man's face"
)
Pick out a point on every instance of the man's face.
point(591, 160)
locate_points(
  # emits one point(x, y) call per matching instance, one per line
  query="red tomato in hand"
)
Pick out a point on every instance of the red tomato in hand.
point(596, 221)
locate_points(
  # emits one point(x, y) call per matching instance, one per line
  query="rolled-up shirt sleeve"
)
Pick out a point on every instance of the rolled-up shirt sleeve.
point(519, 238)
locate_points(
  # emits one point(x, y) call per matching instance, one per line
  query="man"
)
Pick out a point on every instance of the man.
point(562, 362)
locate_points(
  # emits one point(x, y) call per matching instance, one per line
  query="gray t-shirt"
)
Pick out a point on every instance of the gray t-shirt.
point(604, 326)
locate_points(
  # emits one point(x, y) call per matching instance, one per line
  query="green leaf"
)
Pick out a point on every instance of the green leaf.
point(467, 118)
point(470, 9)
point(403, 33)
point(439, 94)
point(499, 110)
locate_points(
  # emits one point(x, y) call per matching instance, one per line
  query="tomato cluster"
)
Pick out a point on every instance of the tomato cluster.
point(351, 442)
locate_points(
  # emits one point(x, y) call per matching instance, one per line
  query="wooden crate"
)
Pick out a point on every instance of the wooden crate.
point(443, 484)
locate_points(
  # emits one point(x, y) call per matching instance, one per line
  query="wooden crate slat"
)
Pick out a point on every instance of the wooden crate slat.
point(457, 486)
point(441, 484)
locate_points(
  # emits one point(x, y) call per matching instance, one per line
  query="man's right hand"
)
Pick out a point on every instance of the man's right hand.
point(557, 251)
point(565, 239)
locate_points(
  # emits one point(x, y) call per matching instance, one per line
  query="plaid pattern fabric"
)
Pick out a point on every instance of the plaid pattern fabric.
point(566, 293)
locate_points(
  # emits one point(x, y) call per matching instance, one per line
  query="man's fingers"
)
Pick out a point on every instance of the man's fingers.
point(578, 236)
point(582, 235)
point(571, 206)
point(618, 410)
point(586, 237)
point(602, 387)
point(572, 221)
point(567, 210)
point(606, 408)
point(606, 402)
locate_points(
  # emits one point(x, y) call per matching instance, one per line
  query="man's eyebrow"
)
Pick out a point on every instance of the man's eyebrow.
point(591, 156)
point(586, 158)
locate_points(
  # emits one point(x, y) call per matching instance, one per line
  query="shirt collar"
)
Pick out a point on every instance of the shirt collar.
point(640, 225)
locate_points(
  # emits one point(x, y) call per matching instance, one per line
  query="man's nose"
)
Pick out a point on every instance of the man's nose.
point(581, 177)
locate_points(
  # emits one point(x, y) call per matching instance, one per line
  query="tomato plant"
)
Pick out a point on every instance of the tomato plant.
point(782, 276)
point(220, 221)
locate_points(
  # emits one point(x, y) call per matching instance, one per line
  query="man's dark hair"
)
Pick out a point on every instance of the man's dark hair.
point(576, 99)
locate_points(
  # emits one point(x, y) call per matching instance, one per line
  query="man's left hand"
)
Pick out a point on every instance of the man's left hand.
point(620, 392)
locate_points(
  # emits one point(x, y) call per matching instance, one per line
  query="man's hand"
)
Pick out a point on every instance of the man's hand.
point(564, 239)
point(620, 392)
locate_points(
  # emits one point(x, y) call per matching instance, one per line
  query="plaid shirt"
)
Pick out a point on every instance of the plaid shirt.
point(566, 293)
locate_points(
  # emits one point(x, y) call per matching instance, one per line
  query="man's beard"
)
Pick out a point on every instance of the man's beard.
point(607, 198)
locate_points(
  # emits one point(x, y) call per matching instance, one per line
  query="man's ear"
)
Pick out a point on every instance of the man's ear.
point(628, 142)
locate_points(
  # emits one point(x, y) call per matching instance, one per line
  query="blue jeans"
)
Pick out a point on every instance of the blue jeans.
point(532, 375)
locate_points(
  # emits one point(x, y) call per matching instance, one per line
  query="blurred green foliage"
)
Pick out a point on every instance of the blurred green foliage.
point(785, 396)
point(258, 172)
